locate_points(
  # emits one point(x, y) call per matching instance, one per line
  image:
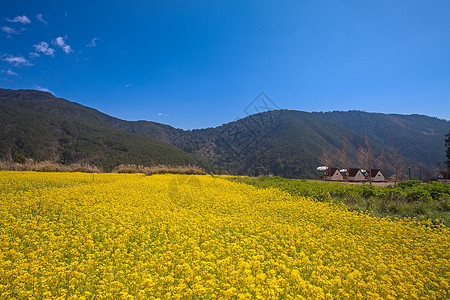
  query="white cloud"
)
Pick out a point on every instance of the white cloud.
point(16, 60)
point(40, 88)
point(9, 31)
point(20, 19)
point(93, 42)
point(61, 42)
point(11, 73)
point(162, 115)
point(44, 48)
point(34, 55)
point(127, 85)
point(40, 18)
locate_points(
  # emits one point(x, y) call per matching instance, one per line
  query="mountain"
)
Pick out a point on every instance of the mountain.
point(418, 138)
point(286, 143)
point(291, 143)
point(43, 127)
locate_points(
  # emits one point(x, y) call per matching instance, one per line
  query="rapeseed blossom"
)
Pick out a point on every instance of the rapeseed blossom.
point(111, 236)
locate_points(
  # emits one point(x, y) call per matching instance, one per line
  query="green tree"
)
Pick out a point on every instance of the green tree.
point(19, 158)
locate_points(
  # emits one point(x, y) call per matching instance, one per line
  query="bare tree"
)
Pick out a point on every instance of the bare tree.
point(447, 152)
point(397, 163)
point(383, 162)
point(343, 155)
point(326, 159)
point(438, 167)
point(365, 156)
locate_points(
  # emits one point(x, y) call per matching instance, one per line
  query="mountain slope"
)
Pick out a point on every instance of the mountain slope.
point(291, 143)
point(42, 127)
point(418, 138)
point(284, 143)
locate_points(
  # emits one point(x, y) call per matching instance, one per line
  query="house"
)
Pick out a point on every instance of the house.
point(332, 174)
point(355, 175)
point(376, 175)
point(444, 177)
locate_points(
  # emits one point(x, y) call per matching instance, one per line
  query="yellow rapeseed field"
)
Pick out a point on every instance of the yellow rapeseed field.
point(111, 236)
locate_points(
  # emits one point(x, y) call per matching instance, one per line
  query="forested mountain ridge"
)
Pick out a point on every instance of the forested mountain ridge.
point(417, 137)
point(43, 127)
point(292, 143)
point(281, 142)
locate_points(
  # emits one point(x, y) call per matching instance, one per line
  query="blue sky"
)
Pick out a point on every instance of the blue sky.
point(196, 64)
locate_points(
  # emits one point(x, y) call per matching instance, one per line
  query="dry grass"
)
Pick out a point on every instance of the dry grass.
point(161, 169)
point(48, 166)
point(129, 169)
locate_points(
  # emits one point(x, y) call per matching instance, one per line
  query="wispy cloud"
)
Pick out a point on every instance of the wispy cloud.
point(93, 42)
point(40, 88)
point(9, 31)
point(60, 41)
point(162, 115)
point(16, 60)
point(34, 55)
point(44, 48)
point(20, 19)
point(40, 18)
point(127, 85)
point(9, 73)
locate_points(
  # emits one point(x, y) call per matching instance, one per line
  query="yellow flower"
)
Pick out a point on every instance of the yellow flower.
point(64, 236)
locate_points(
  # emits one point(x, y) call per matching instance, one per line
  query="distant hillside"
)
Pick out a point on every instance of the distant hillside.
point(418, 138)
point(282, 142)
point(43, 127)
point(291, 143)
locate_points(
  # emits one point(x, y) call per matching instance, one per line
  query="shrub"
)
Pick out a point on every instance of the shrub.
point(417, 194)
point(19, 158)
point(437, 189)
point(408, 183)
point(367, 191)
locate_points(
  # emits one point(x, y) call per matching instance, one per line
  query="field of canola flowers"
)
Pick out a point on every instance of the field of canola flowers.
point(111, 236)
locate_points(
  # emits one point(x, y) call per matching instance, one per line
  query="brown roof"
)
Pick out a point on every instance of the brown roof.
point(374, 172)
point(353, 171)
point(444, 175)
point(330, 171)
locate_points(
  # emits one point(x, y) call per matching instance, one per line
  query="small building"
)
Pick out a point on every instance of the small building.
point(376, 175)
point(444, 177)
point(332, 174)
point(344, 173)
point(355, 175)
